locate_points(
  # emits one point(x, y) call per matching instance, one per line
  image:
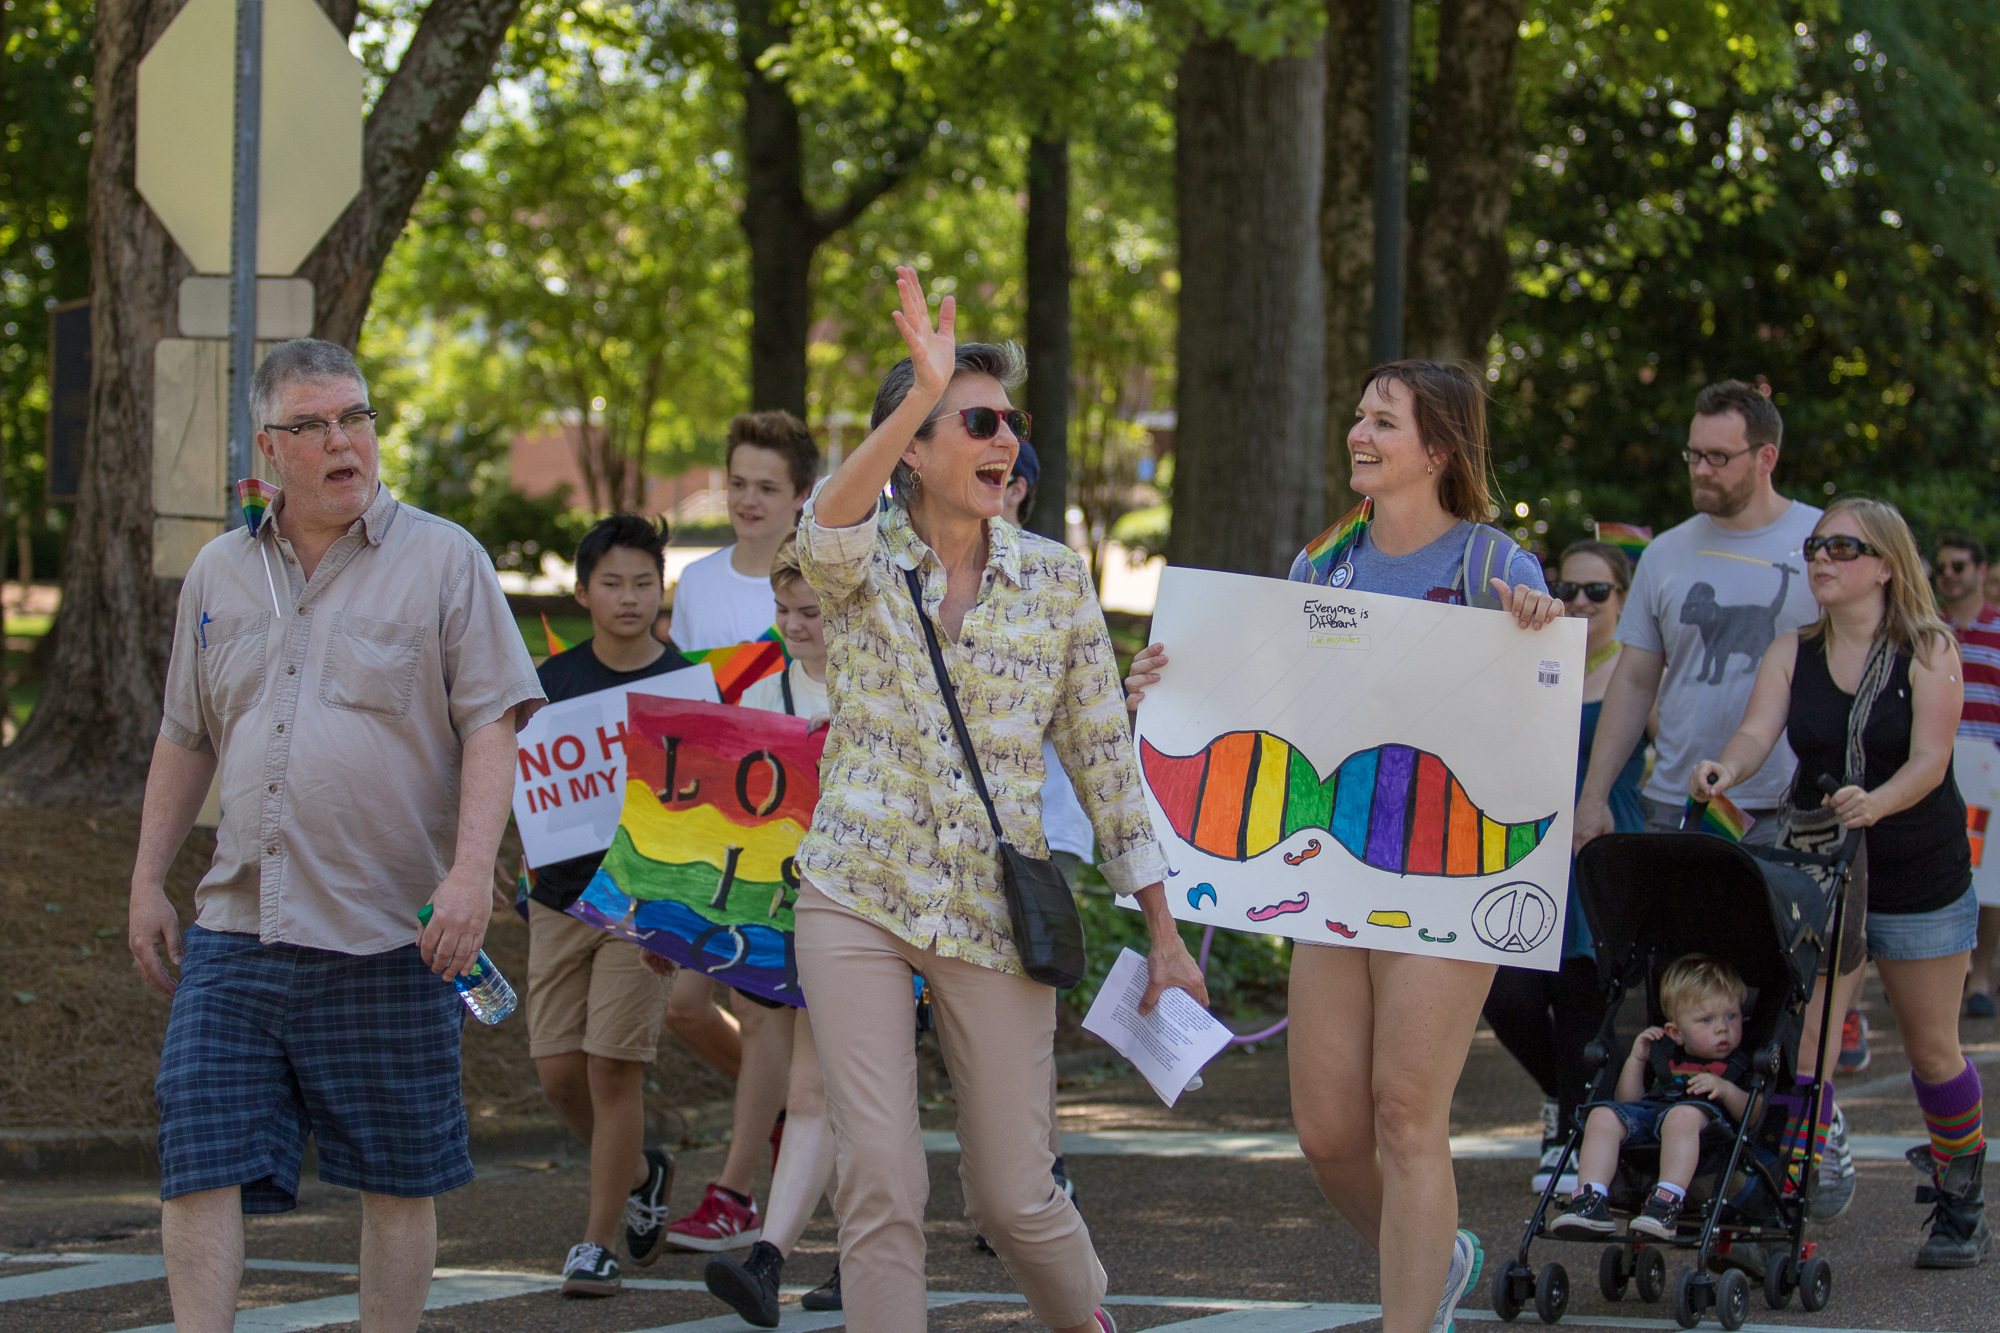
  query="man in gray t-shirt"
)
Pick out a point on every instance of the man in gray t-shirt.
point(1710, 596)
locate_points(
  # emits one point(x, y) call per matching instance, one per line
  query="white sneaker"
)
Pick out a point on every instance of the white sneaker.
point(1566, 1184)
point(1467, 1258)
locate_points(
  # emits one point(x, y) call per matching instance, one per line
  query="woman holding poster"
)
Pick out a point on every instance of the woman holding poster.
point(900, 870)
point(1378, 1039)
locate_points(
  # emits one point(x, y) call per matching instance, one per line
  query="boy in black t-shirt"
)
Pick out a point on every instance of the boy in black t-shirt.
point(594, 1004)
point(1677, 1080)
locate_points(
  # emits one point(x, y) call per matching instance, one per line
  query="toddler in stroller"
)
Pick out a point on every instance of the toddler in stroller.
point(1681, 1077)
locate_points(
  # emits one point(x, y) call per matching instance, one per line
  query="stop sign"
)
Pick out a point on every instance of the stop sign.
point(310, 153)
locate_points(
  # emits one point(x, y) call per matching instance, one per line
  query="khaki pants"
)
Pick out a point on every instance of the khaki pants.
point(997, 1032)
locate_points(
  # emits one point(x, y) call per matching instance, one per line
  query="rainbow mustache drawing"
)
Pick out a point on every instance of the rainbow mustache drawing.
point(1394, 807)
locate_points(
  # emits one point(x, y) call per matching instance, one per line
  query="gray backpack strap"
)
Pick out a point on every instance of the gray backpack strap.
point(1489, 553)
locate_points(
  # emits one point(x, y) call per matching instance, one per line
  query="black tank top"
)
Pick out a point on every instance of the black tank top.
point(1918, 859)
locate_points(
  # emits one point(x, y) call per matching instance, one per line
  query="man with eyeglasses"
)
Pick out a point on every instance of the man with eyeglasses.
point(347, 665)
point(1961, 584)
point(1709, 597)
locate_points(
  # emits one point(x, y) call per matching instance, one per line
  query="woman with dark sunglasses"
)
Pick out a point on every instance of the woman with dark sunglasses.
point(1869, 698)
point(1545, 1019)
point(900, 872)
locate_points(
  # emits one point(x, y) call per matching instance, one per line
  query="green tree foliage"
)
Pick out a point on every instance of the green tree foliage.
point(1832, 238)
point(45, 65)
point(579, 259)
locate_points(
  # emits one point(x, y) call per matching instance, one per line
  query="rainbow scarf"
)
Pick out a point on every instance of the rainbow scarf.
point(1723, 819)
point(1630, 539)
point(1331, 548)
point(738, 666)
point(255, 495)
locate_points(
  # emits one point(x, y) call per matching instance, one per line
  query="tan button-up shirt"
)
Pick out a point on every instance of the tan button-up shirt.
point(337, 709)
point(900, 834)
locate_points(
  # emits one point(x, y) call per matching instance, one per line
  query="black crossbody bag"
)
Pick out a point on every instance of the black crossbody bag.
point(1048, 933)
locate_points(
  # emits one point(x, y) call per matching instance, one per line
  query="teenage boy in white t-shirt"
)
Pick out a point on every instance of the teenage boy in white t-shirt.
point(722, 599)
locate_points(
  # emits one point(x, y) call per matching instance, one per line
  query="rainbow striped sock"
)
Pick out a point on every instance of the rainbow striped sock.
point(1952, 1113)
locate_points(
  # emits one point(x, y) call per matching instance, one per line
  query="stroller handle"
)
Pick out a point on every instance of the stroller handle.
point(1691, 819)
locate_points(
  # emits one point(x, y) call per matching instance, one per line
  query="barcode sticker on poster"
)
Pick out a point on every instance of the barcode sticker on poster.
point(1548, 674)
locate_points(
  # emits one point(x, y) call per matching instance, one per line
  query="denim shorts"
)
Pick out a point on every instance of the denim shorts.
point(1908, 937)
point(1642, 1120)
point(269, 1043)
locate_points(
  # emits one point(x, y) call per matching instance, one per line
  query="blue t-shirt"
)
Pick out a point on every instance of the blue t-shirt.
point(1430, 572)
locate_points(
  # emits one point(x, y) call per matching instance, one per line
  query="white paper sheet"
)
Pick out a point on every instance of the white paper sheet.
point(1976, 764)
point(1170, 1045)
point(570, 765)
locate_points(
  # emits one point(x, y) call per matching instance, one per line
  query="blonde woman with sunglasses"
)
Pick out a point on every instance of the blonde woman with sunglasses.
point(1868, 697)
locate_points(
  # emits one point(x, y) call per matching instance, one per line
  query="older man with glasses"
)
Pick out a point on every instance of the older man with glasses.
point(1961, 571)
point(1708, 599)
point(349, 668)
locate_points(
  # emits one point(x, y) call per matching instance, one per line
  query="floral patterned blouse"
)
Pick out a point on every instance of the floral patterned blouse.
point(900, 835)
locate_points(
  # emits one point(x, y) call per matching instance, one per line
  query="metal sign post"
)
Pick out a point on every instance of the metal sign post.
point(1392, 175)
point(243, 244)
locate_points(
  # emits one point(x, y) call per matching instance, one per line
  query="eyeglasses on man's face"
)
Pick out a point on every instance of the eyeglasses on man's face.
point(356, 425)
point(1715, 458)
point(1840, 547)
point(1960, 565)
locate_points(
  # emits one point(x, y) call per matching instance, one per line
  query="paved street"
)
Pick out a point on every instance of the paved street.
point(1204, 1215)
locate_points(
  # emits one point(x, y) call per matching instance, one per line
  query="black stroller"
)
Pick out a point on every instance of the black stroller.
point(1650, 899)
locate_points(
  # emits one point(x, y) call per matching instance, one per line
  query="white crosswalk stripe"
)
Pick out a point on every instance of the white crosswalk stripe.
point(98, 1271)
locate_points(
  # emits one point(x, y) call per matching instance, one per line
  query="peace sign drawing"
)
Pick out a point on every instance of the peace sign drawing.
point(1516, 917)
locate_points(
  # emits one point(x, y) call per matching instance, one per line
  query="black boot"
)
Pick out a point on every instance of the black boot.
point(1959, 1236)
point(826, 1296)
point(750, 1288)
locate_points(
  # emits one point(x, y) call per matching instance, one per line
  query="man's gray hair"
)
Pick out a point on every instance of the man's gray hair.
point(298, 359)
point(1003, 361)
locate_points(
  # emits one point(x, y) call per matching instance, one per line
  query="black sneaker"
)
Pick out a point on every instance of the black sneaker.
point(750, 1287)
point(826, 1296)
point(1588, 1218)
point(1660, 1218)
point(590, 1271)
point(646, 1209)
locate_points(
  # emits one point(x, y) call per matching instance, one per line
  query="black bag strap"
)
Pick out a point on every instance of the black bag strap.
point(951, 702)
point(785, 689)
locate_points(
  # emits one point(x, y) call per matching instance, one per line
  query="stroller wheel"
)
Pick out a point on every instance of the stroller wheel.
point(1652, 1269)
point(1614, 1271)
point(1552, 1293)
point(1512, 1283)
point(1694, 1292)
point(1815, 1284)
point(1781, 1278)
point(1732, 1299)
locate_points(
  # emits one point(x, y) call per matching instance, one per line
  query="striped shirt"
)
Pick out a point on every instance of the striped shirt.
point(1979, 648)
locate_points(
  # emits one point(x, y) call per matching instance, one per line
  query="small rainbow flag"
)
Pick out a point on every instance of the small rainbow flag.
point(1627, 537)
point(1327, 550)
point(738, 666)
point(255, 495)
point(1722, 818)
point(556, 645)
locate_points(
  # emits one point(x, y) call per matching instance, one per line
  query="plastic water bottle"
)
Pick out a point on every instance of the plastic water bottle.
point(485, 992)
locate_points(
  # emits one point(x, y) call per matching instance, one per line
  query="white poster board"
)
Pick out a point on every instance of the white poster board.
point(1977, 765)
point(570, 762)
point(1349, 768)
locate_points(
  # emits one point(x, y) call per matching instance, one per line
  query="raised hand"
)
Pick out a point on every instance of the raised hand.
point(931, 347)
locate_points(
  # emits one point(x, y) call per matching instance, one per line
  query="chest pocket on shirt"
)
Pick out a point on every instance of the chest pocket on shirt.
point(371, 665)
point(232, 661)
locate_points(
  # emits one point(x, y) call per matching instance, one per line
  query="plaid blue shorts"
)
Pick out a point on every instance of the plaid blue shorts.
point(269, 1043)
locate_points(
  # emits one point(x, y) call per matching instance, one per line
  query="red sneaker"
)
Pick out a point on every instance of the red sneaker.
point(1854, 1052)
point(717, 1223)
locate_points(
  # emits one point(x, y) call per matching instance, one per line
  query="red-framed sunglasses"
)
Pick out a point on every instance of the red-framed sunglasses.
point(983, 423)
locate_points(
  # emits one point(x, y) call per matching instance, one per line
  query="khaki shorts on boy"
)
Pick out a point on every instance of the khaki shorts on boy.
point(588, 991)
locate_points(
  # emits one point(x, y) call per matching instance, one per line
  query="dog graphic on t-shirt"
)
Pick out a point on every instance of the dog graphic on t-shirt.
point(1729, 630)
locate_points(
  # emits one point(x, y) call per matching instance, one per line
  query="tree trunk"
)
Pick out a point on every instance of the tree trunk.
point(410, 129)
point(1472, 154)
point(1347, 228)
point(1251, 434)
point(1048, 279)
point(783, 227)
point(91, 735)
